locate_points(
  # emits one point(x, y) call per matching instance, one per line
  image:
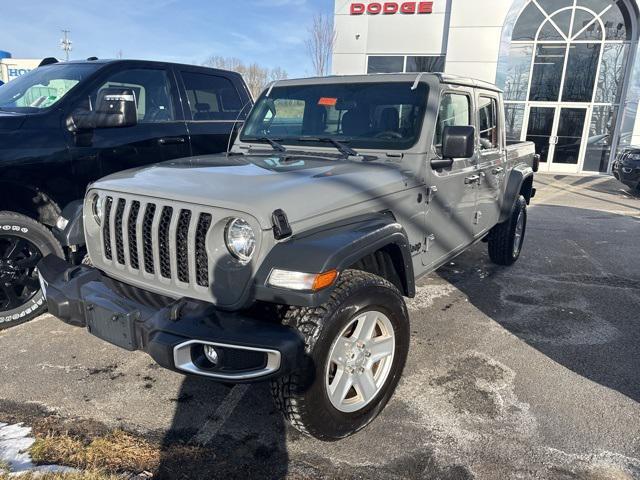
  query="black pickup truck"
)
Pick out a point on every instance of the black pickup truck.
point(64, 125)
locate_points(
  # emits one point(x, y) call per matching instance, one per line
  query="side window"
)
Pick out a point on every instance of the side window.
point(488, 123)
point(152, 91)
point(455, 110)
point(211, 97)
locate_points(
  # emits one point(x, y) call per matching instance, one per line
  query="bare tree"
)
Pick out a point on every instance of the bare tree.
point(256, 76)
point(322, 39)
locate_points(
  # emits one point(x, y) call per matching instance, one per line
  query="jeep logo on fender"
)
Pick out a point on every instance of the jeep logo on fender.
point(391, 8)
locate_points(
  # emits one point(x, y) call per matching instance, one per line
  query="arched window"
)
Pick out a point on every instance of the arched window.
point(573, 53)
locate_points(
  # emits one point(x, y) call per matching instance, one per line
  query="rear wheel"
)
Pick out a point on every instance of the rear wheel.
point(23, 243)
point(356, 347)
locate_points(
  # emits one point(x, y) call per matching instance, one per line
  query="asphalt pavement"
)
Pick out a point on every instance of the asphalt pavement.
point(529, 371)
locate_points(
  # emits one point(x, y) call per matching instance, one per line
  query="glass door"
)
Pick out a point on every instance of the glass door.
point(558, 132)
point(540, 123)
point(568, 139)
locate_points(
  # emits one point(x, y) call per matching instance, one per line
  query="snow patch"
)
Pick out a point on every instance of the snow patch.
point(15, 441)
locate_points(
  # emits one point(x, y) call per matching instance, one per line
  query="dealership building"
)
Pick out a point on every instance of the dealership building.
point(569, 69)
point(11, 68)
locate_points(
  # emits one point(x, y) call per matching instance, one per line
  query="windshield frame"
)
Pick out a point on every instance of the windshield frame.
point(91, 70)
point(354, 142)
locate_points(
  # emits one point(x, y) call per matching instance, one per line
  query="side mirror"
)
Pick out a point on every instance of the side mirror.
point(115, 108)
point(458, 142)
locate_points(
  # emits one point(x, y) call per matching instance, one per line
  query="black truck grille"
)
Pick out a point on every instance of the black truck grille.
point(162, 240)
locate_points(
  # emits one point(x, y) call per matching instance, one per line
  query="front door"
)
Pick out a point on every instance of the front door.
point(452, 196)
point(558, 132)
point(160, 133)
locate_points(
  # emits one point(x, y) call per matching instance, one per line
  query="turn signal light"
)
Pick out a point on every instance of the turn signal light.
point(324, 280)
point(302, 281)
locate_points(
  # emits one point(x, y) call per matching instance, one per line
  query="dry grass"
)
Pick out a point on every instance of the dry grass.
point(93, 475)
point(117, 451)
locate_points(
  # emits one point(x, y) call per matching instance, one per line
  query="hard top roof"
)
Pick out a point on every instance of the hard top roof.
point(391, 77)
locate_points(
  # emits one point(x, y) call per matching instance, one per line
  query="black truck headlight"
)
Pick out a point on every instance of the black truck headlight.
point(240, 239)
point(97, 208)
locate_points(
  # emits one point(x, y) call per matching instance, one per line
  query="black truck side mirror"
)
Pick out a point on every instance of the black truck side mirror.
point(115, 108)
point(457, 142)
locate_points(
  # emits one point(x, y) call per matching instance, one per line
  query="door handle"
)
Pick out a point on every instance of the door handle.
point(472, 179)
point(171, 140)
point(497, 170)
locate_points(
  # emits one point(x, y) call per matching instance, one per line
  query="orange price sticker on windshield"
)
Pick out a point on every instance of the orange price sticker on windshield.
point(327, 101)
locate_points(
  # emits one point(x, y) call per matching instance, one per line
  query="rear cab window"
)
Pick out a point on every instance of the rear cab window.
point(488, 128)
point(211, 97)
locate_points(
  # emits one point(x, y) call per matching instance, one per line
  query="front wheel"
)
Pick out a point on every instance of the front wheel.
point(356, 346)
point(506, 238)
point(23, 243)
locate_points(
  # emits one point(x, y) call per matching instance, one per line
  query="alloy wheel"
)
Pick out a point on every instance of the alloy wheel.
point(360, 361)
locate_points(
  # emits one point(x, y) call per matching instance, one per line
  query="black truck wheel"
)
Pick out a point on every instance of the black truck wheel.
point(356, 345)
point(23, 243)
point(506, 238)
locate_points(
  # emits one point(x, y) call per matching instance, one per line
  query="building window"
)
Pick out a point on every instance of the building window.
point(379, 64)
point(409, 63)
point(572, 55)
point(425, 64)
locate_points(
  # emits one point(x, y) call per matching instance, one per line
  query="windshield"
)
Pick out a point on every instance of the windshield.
point(42, 87)
point(385, 116)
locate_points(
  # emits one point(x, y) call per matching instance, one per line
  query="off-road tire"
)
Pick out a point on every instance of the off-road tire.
point(301, 396)
point(36, 233)
point(502, 236)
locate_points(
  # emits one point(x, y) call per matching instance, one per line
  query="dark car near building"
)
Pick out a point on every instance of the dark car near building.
point(626, 168)
point(64, 125)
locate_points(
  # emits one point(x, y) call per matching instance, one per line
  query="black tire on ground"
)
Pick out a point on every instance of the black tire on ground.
point(506, 238)
point(23, 242)
point(302, 396)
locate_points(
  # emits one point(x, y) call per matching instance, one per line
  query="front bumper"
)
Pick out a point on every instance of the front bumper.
point(173, 333)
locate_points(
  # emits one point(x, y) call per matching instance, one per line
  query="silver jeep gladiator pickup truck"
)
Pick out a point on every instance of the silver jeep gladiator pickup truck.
point(288, 259)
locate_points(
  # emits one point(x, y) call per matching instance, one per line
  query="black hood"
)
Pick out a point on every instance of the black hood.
point(11, 121)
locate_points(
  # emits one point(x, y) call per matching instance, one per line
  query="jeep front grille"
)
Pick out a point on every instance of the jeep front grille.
point(153, 239)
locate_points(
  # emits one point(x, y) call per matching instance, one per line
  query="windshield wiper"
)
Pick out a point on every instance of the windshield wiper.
point(271, 141)
point(342, 148)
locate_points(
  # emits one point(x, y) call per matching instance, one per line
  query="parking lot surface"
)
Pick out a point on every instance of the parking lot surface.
point(531, 371)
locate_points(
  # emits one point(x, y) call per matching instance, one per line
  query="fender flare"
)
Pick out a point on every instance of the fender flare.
point(518, 175)
point(336, 246)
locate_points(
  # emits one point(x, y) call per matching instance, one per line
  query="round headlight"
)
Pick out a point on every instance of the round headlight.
point(97, 208)
point(240, 239)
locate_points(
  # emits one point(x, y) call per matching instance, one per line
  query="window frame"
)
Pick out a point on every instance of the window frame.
point(498, 146)
point(188, 112)
point(470, 98)
point(106, 73)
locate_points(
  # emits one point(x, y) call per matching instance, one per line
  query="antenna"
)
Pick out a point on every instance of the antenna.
point(235, 122)
point(65, 43)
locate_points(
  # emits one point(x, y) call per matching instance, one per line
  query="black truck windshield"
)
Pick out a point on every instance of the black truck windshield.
point(43, 87)
point(381, 116)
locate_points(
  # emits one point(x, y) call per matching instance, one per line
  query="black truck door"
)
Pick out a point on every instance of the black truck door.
point(160, 133)
point(215, 109)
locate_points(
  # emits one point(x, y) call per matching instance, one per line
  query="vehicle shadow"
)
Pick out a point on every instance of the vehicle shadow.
point(224, 431)
point(574, 295)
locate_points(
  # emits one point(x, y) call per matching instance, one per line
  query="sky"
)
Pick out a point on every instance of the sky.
point(269, 32)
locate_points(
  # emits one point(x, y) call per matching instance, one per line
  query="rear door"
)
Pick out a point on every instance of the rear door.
point(451, 199)
point(214, 107)
point(491, 161)
point(159, 135)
